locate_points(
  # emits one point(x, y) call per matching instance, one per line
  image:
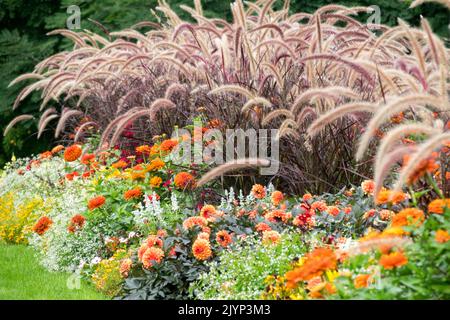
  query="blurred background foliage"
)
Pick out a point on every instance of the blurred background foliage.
point(23, 42)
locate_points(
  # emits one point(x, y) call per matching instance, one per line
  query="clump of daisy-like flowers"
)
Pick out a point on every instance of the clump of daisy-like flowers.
point(320, 78)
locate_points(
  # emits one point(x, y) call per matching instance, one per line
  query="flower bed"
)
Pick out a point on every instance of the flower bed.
point(106, 218)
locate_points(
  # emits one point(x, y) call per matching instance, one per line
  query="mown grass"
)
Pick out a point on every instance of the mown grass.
point(22, 278)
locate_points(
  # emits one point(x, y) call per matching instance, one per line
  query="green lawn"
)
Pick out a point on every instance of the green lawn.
point(22, 278)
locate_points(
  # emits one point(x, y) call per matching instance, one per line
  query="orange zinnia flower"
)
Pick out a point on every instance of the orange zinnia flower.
point(155, 182)
point(72, 153)
point(144, 149)
point(87, 158)
point(132, 194)
point(223, 238)
point(208, 211)
point(184, 180)
point(277, 197)
point(361, 281)
point(442, 236)
point(119, 164)
point(408, 217)
point(96, 202)
point(152, 255)
point(155, 164)
point(392, 260)
point(76, 223)
point(168, 145)
point(42, 225)
point(201, 249)
point(316, 262)
point(258, 191)
point(438, 205)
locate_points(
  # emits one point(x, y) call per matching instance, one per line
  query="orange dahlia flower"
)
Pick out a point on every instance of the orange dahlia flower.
point(277, 197)
point(190, 222)
point(155, 182)
point(72, 153)
point(208, 211)
point(201, 249)
point(368, 186)
point(152, 255)
point(153, 240)
point(125, 267)
point(223, 238)
point(261, 227)
point(307, 196)
point(258, 191)
point(96, 202)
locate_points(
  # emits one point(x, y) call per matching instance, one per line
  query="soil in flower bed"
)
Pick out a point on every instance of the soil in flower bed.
point(22, 278)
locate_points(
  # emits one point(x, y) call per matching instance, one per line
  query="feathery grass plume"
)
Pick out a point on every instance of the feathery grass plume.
point(426, 27)
point(394, 135)
point(67, 113)
point(45, 114)
point(332, 92)
point(302, 116)
point(339, 112)
point(364, 246)
point(24, 77)
point(334, 58)
point(419, 2)
point(423, 151)
point(232, 166)
point(397, 105)
point(415, 47)
point(275, 114)
point(82, 127)
point(233, 88)
point(158, 105)
point(381, 170)
point(44, 124)
point(70, 35)
point(17, 119)
point(256, 101)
